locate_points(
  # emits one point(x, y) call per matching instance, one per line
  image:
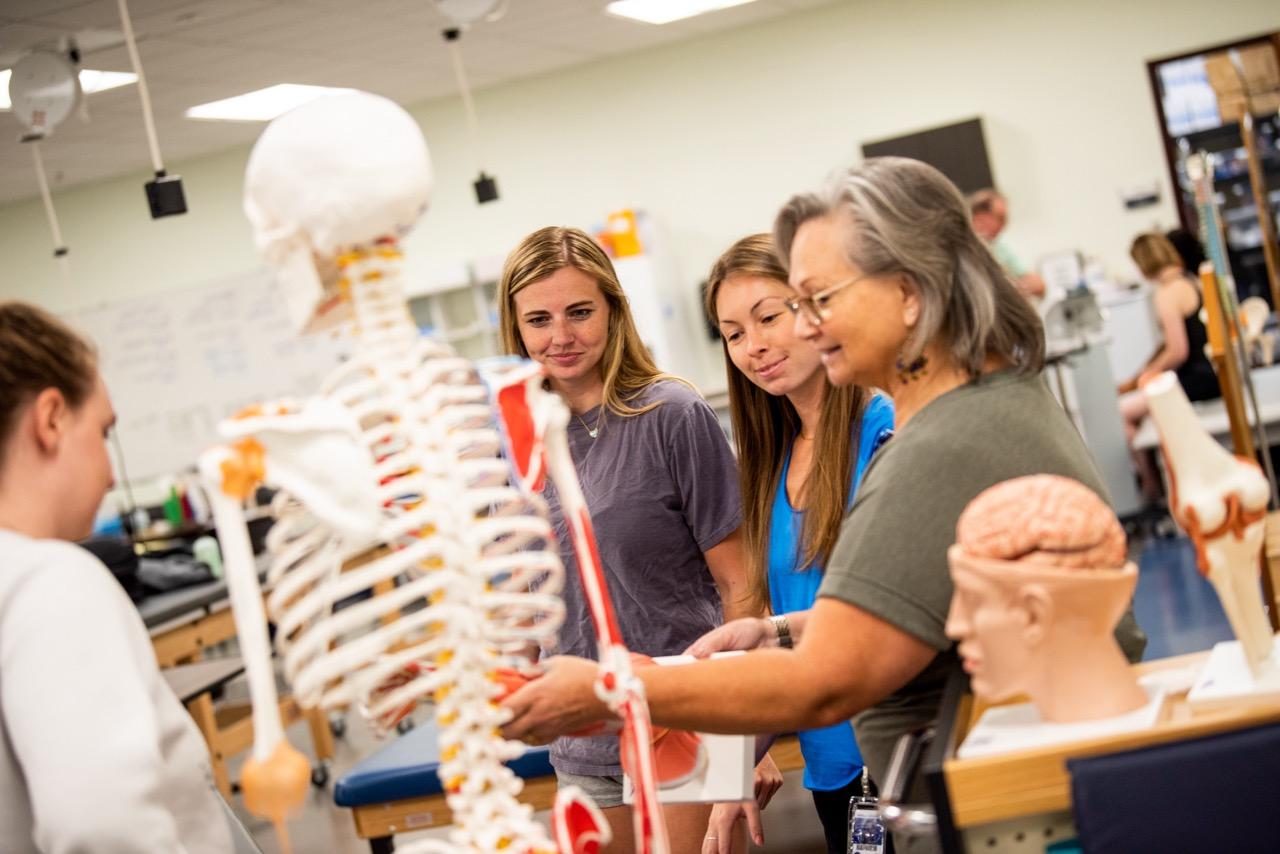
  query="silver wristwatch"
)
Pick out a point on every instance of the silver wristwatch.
point(783, 629)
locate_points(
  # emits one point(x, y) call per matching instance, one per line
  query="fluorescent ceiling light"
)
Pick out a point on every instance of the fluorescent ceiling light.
point(90, 81)
point(262, 105)
point(666, 11)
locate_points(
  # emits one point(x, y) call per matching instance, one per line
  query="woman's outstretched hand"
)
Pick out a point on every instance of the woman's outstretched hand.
point(561, 701)
point(744, 633)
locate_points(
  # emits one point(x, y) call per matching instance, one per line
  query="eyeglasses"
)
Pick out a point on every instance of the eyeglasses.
point(816, 307)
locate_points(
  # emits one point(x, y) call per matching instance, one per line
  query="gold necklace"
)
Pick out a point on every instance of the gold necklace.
point(591, 431)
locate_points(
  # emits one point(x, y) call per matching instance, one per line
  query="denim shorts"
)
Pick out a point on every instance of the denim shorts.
point(605, 792)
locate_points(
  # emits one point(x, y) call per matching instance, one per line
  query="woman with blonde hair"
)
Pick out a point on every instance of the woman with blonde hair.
point(1178, 301)
point(71, 642)
point(787, 417)
point(658, 477)
point(897, 292)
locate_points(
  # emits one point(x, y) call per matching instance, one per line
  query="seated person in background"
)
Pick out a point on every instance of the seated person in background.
point(1189, 250)
point(989, 211)
point(1177, 303)
point(96, 753)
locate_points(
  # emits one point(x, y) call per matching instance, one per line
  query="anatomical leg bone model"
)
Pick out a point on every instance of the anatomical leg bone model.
point(1221, 502)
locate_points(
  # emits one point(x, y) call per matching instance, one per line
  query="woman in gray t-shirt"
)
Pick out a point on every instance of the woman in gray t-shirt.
point(657, 475)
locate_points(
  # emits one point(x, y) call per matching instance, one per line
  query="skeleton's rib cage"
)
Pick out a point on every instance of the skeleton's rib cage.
point(413, 487)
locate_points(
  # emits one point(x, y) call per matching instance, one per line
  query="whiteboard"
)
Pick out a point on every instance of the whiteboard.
point(177, 363)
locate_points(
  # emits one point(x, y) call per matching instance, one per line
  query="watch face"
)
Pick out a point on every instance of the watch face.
point(43, 89)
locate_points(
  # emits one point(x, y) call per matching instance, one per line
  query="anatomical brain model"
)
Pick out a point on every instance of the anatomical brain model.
point(414, 475)
point(1041, 582)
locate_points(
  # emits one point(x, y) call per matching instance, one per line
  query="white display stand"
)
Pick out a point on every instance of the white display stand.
point(1005, 729)
point(1225, 681)
point(725, 776)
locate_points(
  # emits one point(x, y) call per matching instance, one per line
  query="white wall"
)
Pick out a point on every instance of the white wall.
point(711, 135)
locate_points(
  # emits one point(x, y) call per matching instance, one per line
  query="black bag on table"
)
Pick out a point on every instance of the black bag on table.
point(121, 559)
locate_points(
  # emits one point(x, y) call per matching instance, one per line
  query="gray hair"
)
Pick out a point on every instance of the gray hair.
point(907, 217)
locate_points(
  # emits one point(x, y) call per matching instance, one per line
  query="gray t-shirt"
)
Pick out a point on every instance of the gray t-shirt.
point(891, 557)
point(662, 488)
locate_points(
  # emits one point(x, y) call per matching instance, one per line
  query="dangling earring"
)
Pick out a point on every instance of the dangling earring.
point(913, 371)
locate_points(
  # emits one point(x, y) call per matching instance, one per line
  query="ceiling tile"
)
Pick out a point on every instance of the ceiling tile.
point(195, 51)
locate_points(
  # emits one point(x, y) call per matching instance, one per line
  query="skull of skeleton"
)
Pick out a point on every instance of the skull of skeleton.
point(332, 175)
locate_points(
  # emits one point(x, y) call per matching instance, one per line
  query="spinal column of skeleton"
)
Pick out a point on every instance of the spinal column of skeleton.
point(458, 535)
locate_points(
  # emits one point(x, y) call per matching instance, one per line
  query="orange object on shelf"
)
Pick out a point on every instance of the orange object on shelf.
point(624, 234)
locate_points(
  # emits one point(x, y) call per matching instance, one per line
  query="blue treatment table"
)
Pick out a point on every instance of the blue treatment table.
point(398, 788)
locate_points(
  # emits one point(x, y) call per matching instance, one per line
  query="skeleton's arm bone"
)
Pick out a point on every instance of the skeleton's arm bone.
point(246, 602)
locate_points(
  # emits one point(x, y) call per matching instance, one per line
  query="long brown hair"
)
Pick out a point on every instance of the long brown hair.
point(37, 351)
point(764, 426)
point(626, 367)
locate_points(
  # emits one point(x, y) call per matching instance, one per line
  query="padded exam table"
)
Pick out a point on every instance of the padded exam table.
point(398, 790)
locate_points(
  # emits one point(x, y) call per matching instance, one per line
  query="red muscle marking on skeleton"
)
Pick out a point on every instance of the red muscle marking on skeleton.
point(609, 631)
point(677, 753)
point(522, 433)
point(578, 826)
point(1042, 519)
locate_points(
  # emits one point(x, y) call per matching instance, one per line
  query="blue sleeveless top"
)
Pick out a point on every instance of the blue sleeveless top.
point(831, 756)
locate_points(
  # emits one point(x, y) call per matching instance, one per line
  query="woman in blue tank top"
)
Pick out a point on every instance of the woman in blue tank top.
point(793, 506)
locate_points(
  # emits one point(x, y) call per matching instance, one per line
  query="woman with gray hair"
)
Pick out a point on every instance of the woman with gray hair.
point(896, 291)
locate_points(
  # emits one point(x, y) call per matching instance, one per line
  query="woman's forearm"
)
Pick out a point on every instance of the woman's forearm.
point(766, 691)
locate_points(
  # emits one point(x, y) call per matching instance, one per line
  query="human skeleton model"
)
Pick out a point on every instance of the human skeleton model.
point(1220, 500)
point(1041, 582)
point(396, 462)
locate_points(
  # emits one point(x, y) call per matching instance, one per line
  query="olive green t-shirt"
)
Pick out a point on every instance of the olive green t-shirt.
point(891, 557)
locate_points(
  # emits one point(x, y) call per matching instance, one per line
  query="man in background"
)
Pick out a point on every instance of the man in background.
point(990, 213)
